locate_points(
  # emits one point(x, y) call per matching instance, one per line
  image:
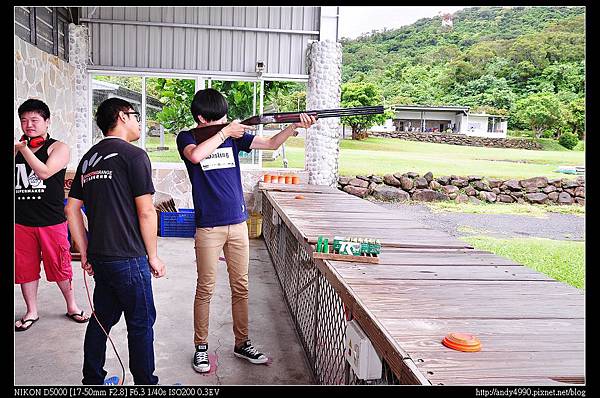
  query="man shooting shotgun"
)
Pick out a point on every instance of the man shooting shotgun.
point(211, 155)
point(202, 133)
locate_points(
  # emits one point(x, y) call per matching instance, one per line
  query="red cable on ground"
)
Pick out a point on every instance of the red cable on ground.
point(102, 327)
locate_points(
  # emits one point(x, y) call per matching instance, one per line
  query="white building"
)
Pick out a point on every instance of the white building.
point(451, 119)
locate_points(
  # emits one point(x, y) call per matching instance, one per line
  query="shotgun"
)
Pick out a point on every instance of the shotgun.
point(201, 134)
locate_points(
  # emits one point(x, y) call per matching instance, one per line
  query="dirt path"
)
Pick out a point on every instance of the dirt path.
point(555, 226)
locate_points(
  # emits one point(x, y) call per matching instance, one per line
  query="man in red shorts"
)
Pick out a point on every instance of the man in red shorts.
point(40, 222)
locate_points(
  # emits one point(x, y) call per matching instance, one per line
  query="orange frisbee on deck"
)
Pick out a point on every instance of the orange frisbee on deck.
point(299, 196)
point(462, 342)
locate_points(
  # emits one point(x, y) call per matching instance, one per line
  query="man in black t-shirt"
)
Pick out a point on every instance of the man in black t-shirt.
point(114, 182)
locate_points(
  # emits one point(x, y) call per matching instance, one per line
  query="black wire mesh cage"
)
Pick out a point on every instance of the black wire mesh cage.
point(316, 308)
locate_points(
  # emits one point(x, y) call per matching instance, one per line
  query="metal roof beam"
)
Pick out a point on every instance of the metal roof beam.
point(196, 26)
point(183, 73)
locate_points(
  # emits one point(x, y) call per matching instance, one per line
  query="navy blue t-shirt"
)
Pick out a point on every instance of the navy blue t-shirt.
point(217, 182)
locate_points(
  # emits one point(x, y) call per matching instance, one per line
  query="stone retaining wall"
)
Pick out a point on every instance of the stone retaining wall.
point(473, 188)
point(460, 139)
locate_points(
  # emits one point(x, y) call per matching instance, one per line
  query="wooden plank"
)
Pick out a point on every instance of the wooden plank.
point(425, 346)
point(400, 226)
point(395, 256)
point(459, 299)
point(499, 380)
point(332, 209)
point(295, 231)
point(489, 326)
point(481, 365)
point(464, 288)
point(420, 336)
point(356, 272)
point(350, 229)
point(509, 310)
point(343, 257)
point(412, 243)
point(391, 236)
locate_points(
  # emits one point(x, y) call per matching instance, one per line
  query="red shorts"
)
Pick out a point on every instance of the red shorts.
point(48, 244)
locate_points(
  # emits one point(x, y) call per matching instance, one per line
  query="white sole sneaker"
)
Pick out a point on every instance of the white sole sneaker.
point(255, 361)
point(201, 369)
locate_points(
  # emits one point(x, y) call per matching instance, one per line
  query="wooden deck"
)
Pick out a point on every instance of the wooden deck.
point(428, 284)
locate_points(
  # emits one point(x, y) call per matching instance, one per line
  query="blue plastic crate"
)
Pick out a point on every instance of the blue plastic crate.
point(181, 224)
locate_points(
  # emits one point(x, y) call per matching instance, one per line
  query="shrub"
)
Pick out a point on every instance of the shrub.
point(580, 146)
point(548, 134)
point(568, 140)
point(520, 133)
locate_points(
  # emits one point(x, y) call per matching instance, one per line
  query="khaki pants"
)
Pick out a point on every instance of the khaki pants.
point(233, 240)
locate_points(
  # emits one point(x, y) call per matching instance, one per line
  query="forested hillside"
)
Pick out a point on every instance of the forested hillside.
point(526, 62)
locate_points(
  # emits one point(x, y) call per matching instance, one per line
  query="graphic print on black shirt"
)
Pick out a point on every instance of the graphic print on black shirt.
point(38, 203)
point(108, 179)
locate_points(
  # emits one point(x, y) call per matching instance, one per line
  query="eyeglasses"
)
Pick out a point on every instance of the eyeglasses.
point(137, 115)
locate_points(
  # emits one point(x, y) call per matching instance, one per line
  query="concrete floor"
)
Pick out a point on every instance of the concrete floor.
point(51, 352)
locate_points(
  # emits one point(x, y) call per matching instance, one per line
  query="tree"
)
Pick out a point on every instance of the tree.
point(568, 76)
point(488, 90)
point(289, 102)
point(574, 117)
point(539, 111)
point(176, 95)
point(361, 94)
point(133, 83)
point(239, 95)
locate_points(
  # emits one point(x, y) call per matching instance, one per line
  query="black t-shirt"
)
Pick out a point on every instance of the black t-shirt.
point(38, 203)
point(108, 179)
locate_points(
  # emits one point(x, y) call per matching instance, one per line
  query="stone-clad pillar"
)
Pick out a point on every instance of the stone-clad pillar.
point(78, 56)
point(322, 140)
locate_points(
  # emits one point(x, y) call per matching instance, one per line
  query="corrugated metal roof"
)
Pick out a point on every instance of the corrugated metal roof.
point(202, 40)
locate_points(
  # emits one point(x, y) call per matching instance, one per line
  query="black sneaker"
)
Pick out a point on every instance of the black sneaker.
point(200, 362)
point(247, 351)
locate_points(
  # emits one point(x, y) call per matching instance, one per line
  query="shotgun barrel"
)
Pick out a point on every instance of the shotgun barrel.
point(201, 134)
point(290, 117)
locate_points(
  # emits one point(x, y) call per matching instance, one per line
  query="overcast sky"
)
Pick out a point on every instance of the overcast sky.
point(357, 20)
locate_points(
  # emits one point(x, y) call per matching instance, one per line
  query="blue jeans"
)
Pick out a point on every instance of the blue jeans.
point(122, 286)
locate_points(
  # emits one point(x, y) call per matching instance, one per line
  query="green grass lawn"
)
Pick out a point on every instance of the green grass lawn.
point(561, 260)
point(389, 155)
point(170, 155)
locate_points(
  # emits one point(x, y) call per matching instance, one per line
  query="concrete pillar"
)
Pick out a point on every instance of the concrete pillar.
point(78, 57)
point(322, 140)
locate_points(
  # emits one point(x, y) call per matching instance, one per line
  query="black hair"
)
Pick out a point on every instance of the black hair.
point(108, 113)
point(34, 105)
point(210, 104)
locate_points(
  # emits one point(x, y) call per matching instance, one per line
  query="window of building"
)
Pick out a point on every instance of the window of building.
point(167, 113)
point(46, 28)
point(104, 87)
point(164, 103)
